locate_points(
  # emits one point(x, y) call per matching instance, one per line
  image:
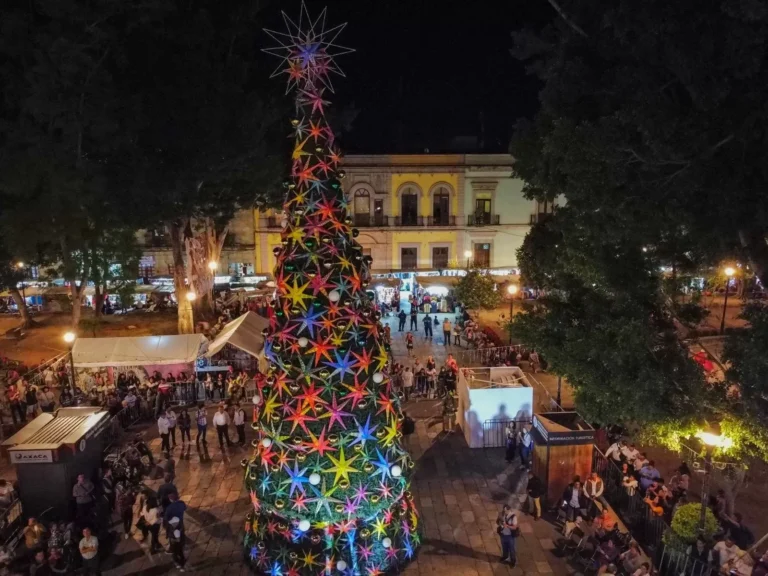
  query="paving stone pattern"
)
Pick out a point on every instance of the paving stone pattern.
point(459, 493)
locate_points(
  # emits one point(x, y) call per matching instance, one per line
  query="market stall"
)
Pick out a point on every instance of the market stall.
point(239, 344)
point(142, 355)
point(437, 289)
point(386, 289)
point(51, 451)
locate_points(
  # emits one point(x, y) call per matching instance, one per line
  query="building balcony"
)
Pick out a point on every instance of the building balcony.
point(441, 220)
point(368, 221)
point(406, 221)
point(483, 219)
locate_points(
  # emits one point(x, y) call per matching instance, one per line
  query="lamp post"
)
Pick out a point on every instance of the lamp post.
point(711, 438)
point(20, 266)
point(191, 296)
point(70, 338)
point(512, 290)
point(729, 272)
point(213, 265)
point(467, 255)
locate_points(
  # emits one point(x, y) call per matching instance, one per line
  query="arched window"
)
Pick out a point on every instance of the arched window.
point(441, 207)
point(362, 207)
point(409, 207)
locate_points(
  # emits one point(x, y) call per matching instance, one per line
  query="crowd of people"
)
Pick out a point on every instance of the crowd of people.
point(728, 551)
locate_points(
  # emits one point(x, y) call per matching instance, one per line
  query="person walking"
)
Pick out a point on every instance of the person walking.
point(535, 489)
point(239, 420)
point(149, 522)
point(185, 424)
point(108, 488)
point(171, 415)
point(201, 418)
point(409, 344)
point(506, 526)
point(407, 382)
point(89, 550)
point(176, 540)
point(414, 317)
point(401, 320)
point(126, 498)
point(163, 428)
point(221, 421)
point(427, 327)
point(446, 332)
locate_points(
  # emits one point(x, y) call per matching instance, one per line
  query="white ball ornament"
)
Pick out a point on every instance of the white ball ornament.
point(396, 471)
point(334, 295)
point(386, 542)
point(378, 377)
point(256, 399)
point(304, 525)
point(267, 442)
point(303, 342)
point(341, 565)
point(314, 478)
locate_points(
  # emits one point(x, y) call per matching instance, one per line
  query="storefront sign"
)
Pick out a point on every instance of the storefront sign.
point(31, 456)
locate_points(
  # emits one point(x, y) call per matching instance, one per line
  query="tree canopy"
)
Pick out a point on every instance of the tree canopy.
point(477, 290)
point(651, 129)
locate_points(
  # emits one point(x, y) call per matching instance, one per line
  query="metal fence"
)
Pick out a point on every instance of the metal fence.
point(672, 561)
point(495, 431)
point(646, 527)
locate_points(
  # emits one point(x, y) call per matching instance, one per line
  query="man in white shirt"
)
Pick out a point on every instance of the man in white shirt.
point(240, 424)
point(630, 453)
point(89, 550)
point(727, 553)
point(407, 382)
point(221, 421)
point(164, 427)
point(614, 452)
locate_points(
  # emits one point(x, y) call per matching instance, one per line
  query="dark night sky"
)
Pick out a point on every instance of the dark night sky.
point(426, 71)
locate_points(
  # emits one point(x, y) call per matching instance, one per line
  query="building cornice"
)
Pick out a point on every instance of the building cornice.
point(428, 162)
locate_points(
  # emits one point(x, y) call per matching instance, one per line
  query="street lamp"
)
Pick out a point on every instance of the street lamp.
point(467, 255)
point(70, 338)
point(212, 266)
point(512, 289)
point(711, 438)
point(729, 272)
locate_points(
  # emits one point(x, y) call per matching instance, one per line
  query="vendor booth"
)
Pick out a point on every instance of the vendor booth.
point(51, 451)
point(488, 400)
point(142, 355)
point(563, 444)
point(239, 344)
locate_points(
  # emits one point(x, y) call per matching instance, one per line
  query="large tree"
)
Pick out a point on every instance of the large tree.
point(206, 131)
point(652, 128)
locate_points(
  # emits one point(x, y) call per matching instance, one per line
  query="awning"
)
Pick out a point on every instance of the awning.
point(447, 281)
point(390, 282)
point(137, 351)
point(243, 333)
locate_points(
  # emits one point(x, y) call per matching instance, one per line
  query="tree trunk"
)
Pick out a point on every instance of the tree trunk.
point(186, 322)
point(753, 240)
point(77, 305)
point(98, 300)
point(21, 304)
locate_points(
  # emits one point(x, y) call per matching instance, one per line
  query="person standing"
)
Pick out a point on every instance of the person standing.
point(221, 421)
point(126, 498)
point(89, 550)
point(184, 423)
point(446, 332)
point(449, 413)
point(201, 418)
point(171, 415)
point(176, 540)
point(526, 446)
point(163, 428)
point(535, 362)
point(401, 320)
point(535, 489)
point(409, 344)
point(82, 491)
point(31, 400)
point(47, 400)
point(108, 488)
point(149, 522)
point(239, 420)
point(506, 526)
point(407, 383)
point(17, 410)
point(427, 327)
point(414, 317)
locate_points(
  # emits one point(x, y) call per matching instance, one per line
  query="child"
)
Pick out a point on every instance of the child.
point(409, 344)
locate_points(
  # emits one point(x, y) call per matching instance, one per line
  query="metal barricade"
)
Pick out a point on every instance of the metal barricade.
point(495, 431)
point(671, 561)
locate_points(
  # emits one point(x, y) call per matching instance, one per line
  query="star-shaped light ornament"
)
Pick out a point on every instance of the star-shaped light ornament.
point(307, 50)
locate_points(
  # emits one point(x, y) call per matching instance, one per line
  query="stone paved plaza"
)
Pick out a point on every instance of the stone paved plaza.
point(458, 491)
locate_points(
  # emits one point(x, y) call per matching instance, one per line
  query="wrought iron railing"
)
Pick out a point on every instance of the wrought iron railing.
point(495, 431)
point(483, 219)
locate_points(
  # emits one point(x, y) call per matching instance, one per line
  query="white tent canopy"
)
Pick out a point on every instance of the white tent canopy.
point(136, 351)
point(243, 333)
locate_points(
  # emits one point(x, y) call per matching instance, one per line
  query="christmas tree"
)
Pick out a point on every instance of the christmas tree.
point(328, 478)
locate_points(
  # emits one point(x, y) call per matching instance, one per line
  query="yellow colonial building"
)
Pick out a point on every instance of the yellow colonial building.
point(414, 212)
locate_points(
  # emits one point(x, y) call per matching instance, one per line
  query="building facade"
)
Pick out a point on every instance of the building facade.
point(414, 212)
